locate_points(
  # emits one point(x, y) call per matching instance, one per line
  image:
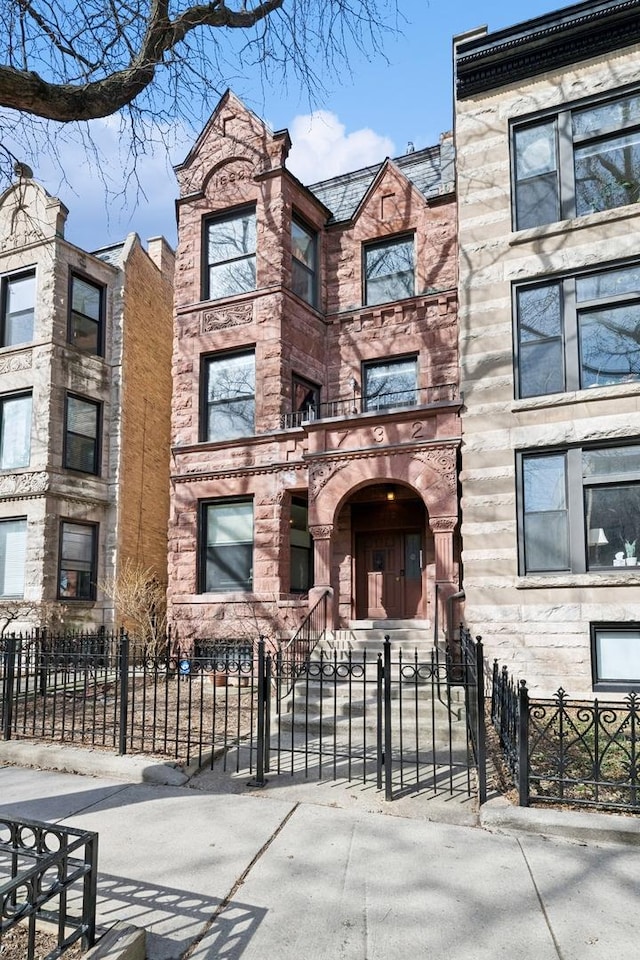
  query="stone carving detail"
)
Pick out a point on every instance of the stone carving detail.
point(320, 533)
point(319, 476)
point(443, 462)
point(443, 524)
point(12, 364)
point(15, 484)
point(223, 317)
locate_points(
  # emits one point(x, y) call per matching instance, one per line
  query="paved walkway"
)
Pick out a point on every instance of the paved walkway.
point(301, 871)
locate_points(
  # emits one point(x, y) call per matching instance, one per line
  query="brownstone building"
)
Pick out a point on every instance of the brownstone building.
point(316, 404)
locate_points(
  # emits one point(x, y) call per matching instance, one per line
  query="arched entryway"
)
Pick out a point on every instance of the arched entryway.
point(392, 550)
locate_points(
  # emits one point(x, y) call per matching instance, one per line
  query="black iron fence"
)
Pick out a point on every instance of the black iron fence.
point(565, 751)
point(48, 873)
point(403, 722)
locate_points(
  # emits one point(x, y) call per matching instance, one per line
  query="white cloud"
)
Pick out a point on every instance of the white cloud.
point(322, 148)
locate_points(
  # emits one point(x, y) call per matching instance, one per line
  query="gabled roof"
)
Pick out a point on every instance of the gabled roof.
point(426, 169)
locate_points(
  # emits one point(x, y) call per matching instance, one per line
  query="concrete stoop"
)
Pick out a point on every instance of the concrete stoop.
point(360, 635)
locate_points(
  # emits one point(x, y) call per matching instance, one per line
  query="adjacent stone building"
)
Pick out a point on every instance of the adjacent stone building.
point(547, 129)
point(316, 405)
point(85, 360)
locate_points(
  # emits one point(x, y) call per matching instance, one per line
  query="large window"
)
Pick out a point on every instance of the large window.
point(580, 509)
point(303, 262)
point(82, 435)
point(230, 255)
point(86, 316)
point(18, 302)
point(78, 558)
point(15, 431)
point(300, 546)
point(227, 546)
point(391, 383)
point(13, 547)
point(576, 162)
point(615, 656)
point(229, 396)
point(389, 270)
point(579, 332)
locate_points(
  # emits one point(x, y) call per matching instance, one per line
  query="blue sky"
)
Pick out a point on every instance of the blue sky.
point(361, 119)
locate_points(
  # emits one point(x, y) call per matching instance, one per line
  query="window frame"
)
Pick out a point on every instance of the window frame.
point(571, 312)
point(93, 572)
point(576, 484)
point(22, 394)
point(206, 362)
point(310, 411)
point(611, 684)
point(14, 520)
point(220, 217)
point(99, 323)
point(7, 280)
point(368, 365)
point(97, 440)
point(311, 273)
point(566, 143)
point(203, 544)
point(380, 243)
point(307, 549)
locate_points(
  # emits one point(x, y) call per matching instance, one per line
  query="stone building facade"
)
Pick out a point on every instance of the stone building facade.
point(316, 404)
point(547, 129)
point(85, 394)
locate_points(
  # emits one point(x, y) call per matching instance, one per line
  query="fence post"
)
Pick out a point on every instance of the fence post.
point(123, 667)
point(523, 745)
point(8, 684)
point(379, 740)
point(41, 647)
point(388, 785)
point(259, 780)
point(267, 711)
point(481, 758)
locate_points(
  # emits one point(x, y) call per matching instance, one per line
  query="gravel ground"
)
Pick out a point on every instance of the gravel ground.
point(13, 945)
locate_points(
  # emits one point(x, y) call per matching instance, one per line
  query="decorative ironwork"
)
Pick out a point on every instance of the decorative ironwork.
point(355, 406)
point(567, 751)
point(47, 865)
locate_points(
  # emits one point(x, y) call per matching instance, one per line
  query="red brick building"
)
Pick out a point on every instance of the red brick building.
point(316, 405)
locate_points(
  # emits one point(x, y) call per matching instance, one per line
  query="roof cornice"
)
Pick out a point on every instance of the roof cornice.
point(579, 32)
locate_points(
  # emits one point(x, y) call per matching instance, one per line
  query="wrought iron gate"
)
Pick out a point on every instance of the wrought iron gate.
point(405, 723)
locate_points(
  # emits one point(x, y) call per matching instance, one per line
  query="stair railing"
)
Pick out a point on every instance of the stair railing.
point(293, 656)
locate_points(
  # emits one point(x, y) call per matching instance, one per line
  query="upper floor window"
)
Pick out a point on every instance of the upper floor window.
point(303, 262)
point(13, 551)
point(576, 162)
point(580, 509)
point(82, 435)
point(15, 431)
point(578, 332)
point(389, 270)
point(86, 316)
point(229, 396)
point(226, 532)
point(77, 569)
point(18, 304)
point(390, 383)
point(231, 254)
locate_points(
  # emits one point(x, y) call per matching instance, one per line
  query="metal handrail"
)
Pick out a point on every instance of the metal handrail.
point(296, 652)
point(355, 405)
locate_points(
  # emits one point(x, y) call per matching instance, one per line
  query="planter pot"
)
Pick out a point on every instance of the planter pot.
point(619, 563)
point(631, 561)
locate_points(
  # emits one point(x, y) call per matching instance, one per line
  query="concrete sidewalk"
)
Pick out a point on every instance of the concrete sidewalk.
point(288, 874)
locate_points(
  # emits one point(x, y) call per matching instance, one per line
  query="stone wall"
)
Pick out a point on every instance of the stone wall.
point(537, 625)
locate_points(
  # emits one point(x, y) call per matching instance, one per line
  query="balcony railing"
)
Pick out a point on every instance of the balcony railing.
point(356, 405)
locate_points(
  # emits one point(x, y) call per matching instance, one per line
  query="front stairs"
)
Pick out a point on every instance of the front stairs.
point(360, 635)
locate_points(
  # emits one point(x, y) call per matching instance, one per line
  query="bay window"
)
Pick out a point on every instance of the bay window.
point(230, 245)
point(226, 545)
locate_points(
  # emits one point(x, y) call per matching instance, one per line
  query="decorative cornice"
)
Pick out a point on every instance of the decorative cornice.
point(200, 476)
point(224, 317)
point(547, 43)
